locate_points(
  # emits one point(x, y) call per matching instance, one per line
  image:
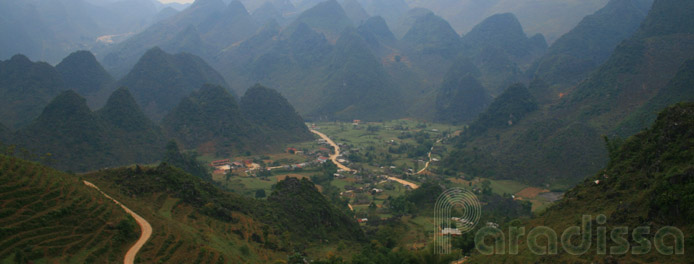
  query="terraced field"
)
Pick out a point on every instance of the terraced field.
point(182, 234)
point(50, 216)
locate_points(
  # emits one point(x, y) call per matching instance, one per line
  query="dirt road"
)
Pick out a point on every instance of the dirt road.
point(404, 182)
point(334, 156)
point(144, 226)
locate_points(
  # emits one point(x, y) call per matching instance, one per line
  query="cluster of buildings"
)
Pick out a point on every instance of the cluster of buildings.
point(224, 166)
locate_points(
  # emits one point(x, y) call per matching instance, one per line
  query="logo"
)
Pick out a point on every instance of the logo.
point(456, 212)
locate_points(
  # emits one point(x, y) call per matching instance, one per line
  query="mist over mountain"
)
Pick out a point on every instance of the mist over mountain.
point(209, 117)
point(81, 140)
point(160, 80)
point(323, 131)
point(551, 18)
point(217, 25)
point(354, 11)
point(574, 55)
point(267, 13)
point(83, 74)
point(327, 18)
point(571, 128)
point(461, 96)
point(50, 30)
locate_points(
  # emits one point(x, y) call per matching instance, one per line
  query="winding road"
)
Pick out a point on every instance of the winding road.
point(144, 226)
point(334, 156)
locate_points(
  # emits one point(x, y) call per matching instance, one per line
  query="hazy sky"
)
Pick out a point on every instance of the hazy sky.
point(176, 1)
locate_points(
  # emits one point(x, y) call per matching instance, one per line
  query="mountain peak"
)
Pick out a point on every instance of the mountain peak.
point(236, 8)
point(669, 17)
point(326, 17)
point(354, 11)
point(432, 34)
point(207, 3)
point(20, 59)
point(268, 108)
point(377, 26)
point(160, 80)
point(83, 73)
point(67, 105)
point(122, 111)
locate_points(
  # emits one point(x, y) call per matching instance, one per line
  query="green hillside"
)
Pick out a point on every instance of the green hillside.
point(573, 56)
point(269, 110)
point(78, 139)
point(133, 137)
point(70, 132)
point(561, 143)
point(461, 97)
point(49, 216)
point(26, 87)
point(356, 86)
point(505, 34)
point(431, 34)
point(211, 119)
point(648, 182)
point(160, 80)
point(195, 221)
point(83, 74)
point(678, 89)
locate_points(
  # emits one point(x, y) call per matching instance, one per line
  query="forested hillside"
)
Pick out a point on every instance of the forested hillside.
point(562, 141)
point(646, 184)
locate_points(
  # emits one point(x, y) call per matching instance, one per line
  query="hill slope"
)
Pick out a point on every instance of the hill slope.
point(83, 74)
point(270, 111)
point(81, 140)
point(25, 89)
point(160, 80)
point(461, 97)
point(134, 138)
point(569, 132)
point(647, 183)
point(192, 217)
point(52, 216)
point(210, 117)
point(573, 56)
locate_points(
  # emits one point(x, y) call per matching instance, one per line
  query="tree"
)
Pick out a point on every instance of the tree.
point(260, 193)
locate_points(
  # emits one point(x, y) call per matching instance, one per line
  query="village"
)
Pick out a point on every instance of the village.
point(377, 163)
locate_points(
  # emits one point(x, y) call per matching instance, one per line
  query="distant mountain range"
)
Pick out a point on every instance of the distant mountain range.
point(561, 142)
point(47, 109)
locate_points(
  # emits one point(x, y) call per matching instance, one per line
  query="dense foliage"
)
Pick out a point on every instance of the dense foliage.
point(160, 80)
point(210, 117)
point(573, 56)
point(186, 161)
point(269, 110)
point(461, 97)
point(52, 216)
point(83, 74)
point(25, 89)
point(561, 142)
point(78, 139)
point(647, 183)
point(308, 215)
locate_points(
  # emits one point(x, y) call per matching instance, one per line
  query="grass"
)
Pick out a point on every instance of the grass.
point(49, 216)
point(183, 235)
point(501, 187)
